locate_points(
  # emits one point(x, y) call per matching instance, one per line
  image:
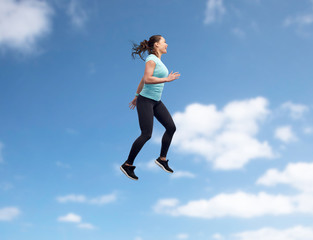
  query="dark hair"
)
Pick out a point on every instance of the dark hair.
point(146, 46)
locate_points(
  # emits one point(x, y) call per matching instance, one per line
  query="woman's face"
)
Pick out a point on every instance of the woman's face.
point(161, 46)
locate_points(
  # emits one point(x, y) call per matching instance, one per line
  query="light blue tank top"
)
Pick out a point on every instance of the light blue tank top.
point(154, 91)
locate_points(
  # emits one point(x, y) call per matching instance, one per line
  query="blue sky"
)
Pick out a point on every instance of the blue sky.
point(242, 151)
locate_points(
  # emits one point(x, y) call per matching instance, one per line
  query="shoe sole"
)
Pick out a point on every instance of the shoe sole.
point(161, 166)
point(127, 174)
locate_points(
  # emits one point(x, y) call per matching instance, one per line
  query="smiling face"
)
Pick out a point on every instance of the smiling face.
point(161, 46)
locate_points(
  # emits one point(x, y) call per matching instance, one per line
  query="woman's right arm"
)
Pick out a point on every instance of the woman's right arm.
point(133, 103)
point(140, 86)
point(150, 79)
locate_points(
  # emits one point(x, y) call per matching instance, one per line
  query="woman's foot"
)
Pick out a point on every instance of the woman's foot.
point(163, 163)
point(128, 170)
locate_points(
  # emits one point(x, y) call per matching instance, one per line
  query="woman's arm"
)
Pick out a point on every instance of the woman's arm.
point(140, 86)
point(133, 103)
point(148, 77)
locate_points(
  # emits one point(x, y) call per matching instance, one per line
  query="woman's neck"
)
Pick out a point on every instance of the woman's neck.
point(159, 55)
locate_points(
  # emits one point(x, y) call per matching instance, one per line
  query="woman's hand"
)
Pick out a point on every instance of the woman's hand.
point(133, 103)
point(173, 76)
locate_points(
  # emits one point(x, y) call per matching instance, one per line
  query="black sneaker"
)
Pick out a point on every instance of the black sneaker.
point(129, 171)
point(164, 165)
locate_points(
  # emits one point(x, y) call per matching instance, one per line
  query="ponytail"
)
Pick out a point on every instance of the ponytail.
point(145, 46)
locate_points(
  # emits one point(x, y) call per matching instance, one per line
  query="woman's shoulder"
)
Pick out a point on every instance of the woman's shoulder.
point(152, 57)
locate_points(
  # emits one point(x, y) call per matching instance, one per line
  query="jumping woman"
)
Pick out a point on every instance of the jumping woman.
point(149, 104)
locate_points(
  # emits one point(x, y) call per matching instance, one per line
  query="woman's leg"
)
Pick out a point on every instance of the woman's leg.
point(145, 116)
point(164, 117)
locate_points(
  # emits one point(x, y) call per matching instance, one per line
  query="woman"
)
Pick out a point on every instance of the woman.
point(149, 104)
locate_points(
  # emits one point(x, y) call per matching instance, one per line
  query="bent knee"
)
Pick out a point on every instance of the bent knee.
point(171, 129)
point(146, 136)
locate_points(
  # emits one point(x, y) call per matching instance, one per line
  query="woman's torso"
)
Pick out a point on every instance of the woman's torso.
point(154, 91)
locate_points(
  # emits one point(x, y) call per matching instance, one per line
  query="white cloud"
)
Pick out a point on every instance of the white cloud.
point(1, 147)
point(217, 236)
point(296, 111)
point(138, 238)
point(150, 165)
point(238, 32)
point(297, 175)
point(71, 217)
point(74, 218)
point(23, 22)
point(77, 14)
point(9, 213)
point(295, 233)
point(227, 137)
point(215, 9)
point(301, 20)
point(182, 236)
point(166, 205)
point(308, 130)
point(104, 199)
point(182, 174)
point(239, 204)
point(86, 226)
point(304, 203)
point(285, 134)
point(72, 198)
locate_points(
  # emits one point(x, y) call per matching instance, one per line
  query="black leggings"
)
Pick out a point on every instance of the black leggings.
point(146, 109)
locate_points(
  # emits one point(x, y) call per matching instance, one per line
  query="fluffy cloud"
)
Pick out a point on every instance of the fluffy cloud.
point(217, 236)
point(238, 32)
point(182, 236)
point(77, 14)
point(166, 206)
point(182, 174)
point(214, 10)
point(86, 226)
point(103, 199)
point(297, 175)
point(71, 217)
point(23, 22)
point(9, 213)
point(245, 205)
point(227, 138)
point(285, 134)
point(304, 203)
point(83, 199)
point(296, 111)
point(150, 165)
point(74, 218)
point(295, 233)
point(72, 198)
point(308, 130)
point(301, 20)
point(239, 204)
